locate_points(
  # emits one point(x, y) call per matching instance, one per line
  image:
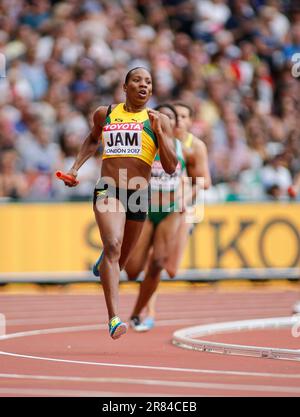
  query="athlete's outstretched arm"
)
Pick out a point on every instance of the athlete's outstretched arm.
point(91, 142)
point(163, 131)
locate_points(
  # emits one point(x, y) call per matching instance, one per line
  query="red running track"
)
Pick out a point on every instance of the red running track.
point(80, 359)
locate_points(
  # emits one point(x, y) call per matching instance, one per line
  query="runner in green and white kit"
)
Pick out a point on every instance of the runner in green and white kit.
point(163, 184)
point(161, 227)
point(192, 155)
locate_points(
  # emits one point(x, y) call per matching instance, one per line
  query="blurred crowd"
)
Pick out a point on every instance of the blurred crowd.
point(234, 62)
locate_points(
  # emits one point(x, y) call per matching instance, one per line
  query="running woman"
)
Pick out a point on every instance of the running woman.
point(162, 225)
point(173, 229)
point(131, 134)
point(197, 167)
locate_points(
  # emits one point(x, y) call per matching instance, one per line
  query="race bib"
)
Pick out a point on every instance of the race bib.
point(122, 139)
point(161, 181)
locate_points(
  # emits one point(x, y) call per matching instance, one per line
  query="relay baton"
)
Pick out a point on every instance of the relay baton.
point(68, 178)
point(292, 192)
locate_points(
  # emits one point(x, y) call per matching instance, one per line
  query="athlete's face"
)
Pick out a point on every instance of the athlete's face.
point(139, 86)
point(184, 118)
point(168, 112)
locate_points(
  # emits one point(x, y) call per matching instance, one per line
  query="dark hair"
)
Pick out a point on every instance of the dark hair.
point(168, 106)
point(131, 71)
point(181, 104)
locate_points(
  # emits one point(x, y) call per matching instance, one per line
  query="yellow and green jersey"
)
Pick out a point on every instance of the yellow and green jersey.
point(129, 135)
point(189, 141)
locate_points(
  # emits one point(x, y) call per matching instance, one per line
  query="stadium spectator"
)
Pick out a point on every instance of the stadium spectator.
point(13, 183)
point(230, 60)
point(276, 178)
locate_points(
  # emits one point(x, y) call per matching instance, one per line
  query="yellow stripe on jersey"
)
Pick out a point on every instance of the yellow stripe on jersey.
point(129, 135)
point(188, 142)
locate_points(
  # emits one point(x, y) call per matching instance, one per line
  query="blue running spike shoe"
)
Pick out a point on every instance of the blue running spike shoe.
point(116, 327)
point(149, 323)
point(137, 325)
point(96, 265)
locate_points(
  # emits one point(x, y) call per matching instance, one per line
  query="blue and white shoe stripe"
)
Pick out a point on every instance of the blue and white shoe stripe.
point(96, 265)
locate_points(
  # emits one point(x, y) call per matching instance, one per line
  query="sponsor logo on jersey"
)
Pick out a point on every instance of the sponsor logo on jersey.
point(123, 138)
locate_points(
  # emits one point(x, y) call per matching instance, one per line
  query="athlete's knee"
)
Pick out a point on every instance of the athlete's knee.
point(132, 271)
point(171, 271)
point(112, 248)
point(157, 265)
point(132, 274)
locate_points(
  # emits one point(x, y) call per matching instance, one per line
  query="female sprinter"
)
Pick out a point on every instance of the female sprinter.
point(171, 239)
point(131, 135)
point(161, 226)
point(197, 166)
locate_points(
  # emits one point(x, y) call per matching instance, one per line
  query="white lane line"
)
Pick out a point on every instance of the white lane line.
point(72, 310)
point(71, 329)
point(54, 330)
point(76, 393)
point(52, 320)
point(2, 325)
point(162, 383)
point(142, 381)
point(152, 368)
point(33, 392)
point(88, 327)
